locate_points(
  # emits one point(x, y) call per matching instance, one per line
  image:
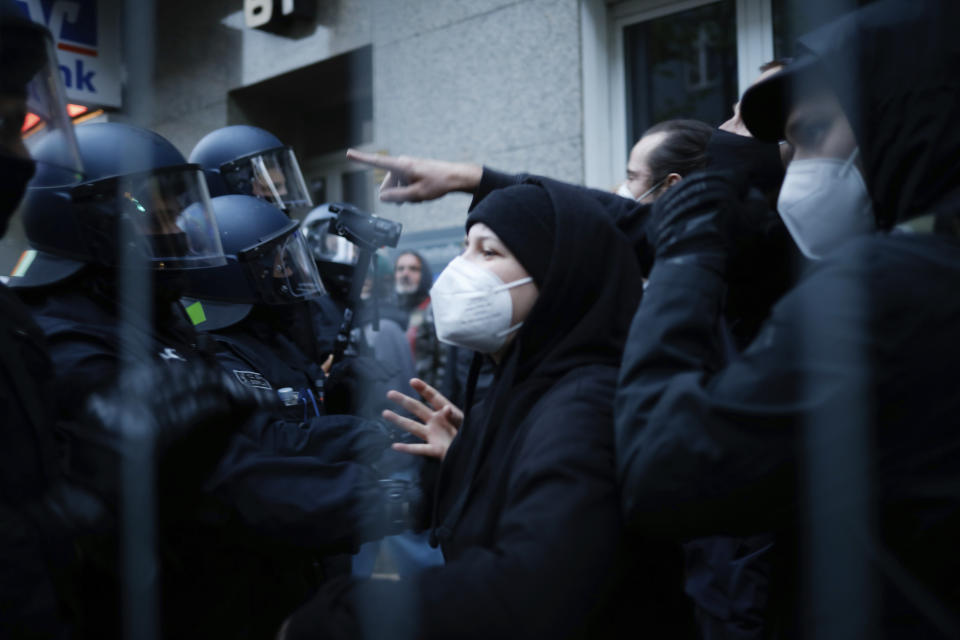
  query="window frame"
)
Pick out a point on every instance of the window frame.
point(603, 69)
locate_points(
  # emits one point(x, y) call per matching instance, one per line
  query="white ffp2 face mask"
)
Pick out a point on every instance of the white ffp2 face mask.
point(472, 307)
point(824, 202)
point(624, 191)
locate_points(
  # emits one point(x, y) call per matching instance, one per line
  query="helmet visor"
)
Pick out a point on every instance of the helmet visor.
point(326, 246)
point(282, 271)
point(167, 210)
point(273, 176)
point(31, 94)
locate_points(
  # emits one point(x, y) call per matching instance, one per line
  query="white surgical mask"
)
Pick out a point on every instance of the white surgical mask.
point(472, 307)
point(823, 203)
point(624, 191)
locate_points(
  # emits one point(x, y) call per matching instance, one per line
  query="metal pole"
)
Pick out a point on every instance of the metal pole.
point(141, 619)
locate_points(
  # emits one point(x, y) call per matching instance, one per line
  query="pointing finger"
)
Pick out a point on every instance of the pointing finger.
point(375, 160)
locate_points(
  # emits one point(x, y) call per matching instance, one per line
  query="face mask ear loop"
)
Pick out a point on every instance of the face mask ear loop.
point(515, 283)
point(651, 190)
point(849, 163)
point(509, 330)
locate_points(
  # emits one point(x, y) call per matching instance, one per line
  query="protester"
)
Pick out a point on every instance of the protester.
point(525, 496)
point(840, 414)
point(665, 153)
point(728, 577)
point(413, 281)
point(708, 446)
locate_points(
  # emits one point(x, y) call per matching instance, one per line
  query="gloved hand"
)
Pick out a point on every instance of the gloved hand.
point(695, 220)
point(761, 270)
point(186, 415)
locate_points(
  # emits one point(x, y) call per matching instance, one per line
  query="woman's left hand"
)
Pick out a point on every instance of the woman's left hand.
point(440, 420)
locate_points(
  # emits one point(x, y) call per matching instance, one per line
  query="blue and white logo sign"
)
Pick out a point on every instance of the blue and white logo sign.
point(86, 34)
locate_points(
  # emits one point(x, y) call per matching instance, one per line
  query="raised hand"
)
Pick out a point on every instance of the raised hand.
point(439, 420)
point(412, 179)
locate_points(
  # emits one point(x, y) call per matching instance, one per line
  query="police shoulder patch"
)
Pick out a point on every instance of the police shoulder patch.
point(252, 379)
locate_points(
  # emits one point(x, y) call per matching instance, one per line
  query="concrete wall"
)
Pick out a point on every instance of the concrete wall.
point(492, 81)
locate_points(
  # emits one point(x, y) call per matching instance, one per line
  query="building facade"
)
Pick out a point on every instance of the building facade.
point(557, 87)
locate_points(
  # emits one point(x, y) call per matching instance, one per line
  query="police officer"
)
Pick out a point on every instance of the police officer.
point(247, 160)
point(269, 481)
point(336, 257)
point(244, 305)
point(45, 512)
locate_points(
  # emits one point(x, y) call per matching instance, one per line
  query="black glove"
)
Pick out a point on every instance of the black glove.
point(186, 414)
point(761, 270)
point(695, 220)
point(758, 161)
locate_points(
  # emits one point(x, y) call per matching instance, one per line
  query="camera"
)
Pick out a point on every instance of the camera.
point(364, 229)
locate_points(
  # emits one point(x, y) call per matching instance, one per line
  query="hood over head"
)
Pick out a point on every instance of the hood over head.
point(893, 67)
point(587, 273)
point(523, 218)
point(588, 293)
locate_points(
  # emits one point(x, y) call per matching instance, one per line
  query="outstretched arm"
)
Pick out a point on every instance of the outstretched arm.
point(412, 179)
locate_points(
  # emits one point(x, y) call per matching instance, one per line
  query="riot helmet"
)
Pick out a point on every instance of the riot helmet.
point(335, 256)
point(32, 107)
point(137, 187)
point(268, 262)
point(247, 160)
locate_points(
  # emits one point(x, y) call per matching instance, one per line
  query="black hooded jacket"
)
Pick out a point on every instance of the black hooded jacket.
point(33, 554)
point(842, 412)
point(527, 509)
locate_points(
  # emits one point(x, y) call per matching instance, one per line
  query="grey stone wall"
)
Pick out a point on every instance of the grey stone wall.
point(495, 81)
point(492, 81)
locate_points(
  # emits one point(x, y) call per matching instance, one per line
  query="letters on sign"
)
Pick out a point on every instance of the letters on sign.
point(86, 35)
point(271, 14)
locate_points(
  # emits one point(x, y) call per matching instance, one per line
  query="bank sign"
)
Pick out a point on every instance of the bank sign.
point(86, 34)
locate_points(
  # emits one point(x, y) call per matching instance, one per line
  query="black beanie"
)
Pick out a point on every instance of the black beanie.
point(522, 217)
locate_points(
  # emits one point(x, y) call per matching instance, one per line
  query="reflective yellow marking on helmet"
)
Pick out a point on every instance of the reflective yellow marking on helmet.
point(195, 311)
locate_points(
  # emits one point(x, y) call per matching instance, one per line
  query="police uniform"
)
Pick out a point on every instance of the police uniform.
point(271, 500)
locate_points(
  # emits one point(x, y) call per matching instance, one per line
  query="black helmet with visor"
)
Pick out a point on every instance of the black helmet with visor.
point(268, 263)
point(246, 160)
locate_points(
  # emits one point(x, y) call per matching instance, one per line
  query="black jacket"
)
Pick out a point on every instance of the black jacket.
point(841, 414)
point(281, 490)
point(32, 552)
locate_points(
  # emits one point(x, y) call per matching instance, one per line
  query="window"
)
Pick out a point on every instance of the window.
point(650, 60)
point(681, 65)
